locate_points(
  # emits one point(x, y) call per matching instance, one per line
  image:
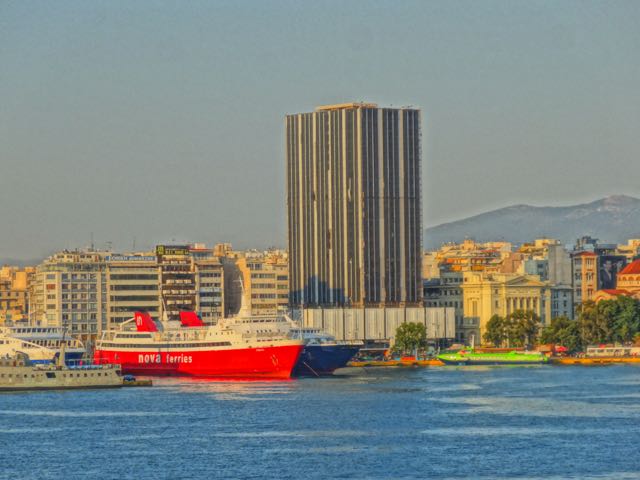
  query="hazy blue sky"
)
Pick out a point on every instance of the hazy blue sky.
point(164, 120)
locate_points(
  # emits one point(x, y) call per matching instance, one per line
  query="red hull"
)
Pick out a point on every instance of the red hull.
point(265, 362)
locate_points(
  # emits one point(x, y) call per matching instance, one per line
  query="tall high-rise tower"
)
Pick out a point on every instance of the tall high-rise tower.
point(354, 206)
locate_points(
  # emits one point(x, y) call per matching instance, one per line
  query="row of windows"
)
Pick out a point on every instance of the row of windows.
point(53, 375)
point(134, 308)
point(76, 306)
point(161, 346)
point(73, 276)
point(12, 294)
point(134, 298)
point(136, 276)
point(133, 287)
point(80, 316)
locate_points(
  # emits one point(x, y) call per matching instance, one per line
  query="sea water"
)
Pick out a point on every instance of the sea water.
point(428, 423)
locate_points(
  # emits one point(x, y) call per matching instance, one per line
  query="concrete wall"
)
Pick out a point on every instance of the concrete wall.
point(378, 324)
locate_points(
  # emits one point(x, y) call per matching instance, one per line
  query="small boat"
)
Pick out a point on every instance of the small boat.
point(472, 357)
point(18, 373)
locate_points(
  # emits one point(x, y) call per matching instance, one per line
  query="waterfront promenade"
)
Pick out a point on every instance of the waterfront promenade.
point(435, 423)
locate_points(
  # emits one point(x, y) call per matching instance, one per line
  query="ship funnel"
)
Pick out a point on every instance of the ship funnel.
point(190, 319)
point(144, 322)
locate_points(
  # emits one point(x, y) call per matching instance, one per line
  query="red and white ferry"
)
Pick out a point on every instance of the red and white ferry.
point(194, 349)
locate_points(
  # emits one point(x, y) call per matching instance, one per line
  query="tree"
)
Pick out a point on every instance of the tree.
point(563, 331)
point(609, 321)
point(594, 322)
point(495, 331)
point(522, 327)
point(626, 323)
point(410, 337)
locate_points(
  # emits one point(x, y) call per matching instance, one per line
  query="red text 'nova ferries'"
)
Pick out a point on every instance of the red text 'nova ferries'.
point(194, 349)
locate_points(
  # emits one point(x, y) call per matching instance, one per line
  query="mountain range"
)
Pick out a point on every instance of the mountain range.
point(612, 219)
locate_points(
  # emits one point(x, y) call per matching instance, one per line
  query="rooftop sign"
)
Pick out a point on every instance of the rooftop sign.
point(172, 250)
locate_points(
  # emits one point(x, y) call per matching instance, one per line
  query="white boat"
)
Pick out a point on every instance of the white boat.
point(10, 346)
point(48, 339)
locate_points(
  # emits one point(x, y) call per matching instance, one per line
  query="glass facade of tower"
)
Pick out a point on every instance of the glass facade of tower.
point(354, 206)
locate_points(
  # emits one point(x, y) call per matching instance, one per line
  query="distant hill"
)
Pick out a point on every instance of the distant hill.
point(18, 262)
point(612, 220)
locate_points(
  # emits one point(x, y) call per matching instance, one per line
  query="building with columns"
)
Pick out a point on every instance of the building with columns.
point(488, 294)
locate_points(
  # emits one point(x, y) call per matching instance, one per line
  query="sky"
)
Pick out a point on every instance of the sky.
point(139, 123)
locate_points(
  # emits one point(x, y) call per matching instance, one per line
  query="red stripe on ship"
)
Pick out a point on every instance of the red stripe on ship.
point(263, 362)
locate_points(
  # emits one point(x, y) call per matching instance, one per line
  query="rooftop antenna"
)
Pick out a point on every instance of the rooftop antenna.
point(91, 244)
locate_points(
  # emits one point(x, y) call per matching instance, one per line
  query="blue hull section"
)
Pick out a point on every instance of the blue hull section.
point(72, 357)
point(323, 359)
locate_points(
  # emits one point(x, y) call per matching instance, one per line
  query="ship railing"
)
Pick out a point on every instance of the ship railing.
point(77, 365)
point(354, 343)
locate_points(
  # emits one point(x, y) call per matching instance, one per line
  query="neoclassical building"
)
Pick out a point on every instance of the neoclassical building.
point(488, 294)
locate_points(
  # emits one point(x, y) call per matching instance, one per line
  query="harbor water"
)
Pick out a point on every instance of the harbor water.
point(429, 423)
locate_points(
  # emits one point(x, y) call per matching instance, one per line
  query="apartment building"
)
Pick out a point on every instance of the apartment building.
point(14, 283)
point(177, 280)
point(69, 288)
point(585, 277)
point(268, 286)
point(209, 285)
point(132, 285)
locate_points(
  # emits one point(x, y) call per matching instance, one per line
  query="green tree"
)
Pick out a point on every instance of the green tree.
point(495, 331)
point(609, 321)
point(626, 321)
point(563, 331)
point(595, 322)
point(522, 327)
point(410, 337)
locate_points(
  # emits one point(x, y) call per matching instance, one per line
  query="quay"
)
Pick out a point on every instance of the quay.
point(587, 361)
point(584, 361)
point(397, 363)
point(129, 381)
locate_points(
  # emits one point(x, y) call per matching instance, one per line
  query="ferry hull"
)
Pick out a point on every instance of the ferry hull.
point(323, 359)
point(263, 362)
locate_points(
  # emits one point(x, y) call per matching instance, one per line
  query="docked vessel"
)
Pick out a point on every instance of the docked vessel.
point(190, 348)
point(322, 353)
point(472, 357)
point(19, 373)
point(41, 344)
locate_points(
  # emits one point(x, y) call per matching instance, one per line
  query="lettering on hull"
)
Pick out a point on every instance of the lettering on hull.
point(156, 358)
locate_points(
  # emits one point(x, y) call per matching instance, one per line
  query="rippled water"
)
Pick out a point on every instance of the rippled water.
point(494, 423)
